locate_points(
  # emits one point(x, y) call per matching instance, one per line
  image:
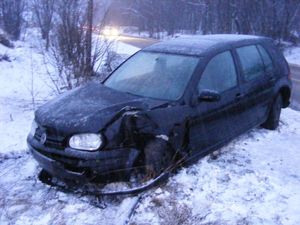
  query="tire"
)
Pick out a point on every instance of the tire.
point(158, 157)
point(45, 177)
point(274, 116)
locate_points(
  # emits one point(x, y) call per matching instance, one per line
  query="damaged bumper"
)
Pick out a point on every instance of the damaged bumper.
point(81, 165)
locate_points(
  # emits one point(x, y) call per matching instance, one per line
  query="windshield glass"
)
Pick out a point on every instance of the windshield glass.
point(154, 75)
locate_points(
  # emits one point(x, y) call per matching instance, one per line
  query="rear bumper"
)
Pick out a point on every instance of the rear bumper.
point(80, 165)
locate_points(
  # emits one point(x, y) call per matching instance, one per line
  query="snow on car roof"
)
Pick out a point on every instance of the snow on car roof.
point(199, 45)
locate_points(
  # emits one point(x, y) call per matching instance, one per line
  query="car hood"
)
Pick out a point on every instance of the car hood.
point(88, 109)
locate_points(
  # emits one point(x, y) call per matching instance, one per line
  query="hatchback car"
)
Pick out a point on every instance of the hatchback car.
point(175, 100)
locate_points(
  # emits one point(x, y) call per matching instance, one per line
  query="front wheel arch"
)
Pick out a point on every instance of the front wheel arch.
point(158, 157)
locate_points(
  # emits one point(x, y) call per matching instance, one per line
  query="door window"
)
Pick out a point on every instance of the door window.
point(251, 62)
point(220, 74)
point(266, 59)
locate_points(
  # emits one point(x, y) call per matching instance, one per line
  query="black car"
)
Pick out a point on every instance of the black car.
point(170, 102)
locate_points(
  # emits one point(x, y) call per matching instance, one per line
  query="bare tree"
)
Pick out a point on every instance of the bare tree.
point(88, 38)
point(11, 15)
point(68, 41)
point(44, 12)
point(73, 49)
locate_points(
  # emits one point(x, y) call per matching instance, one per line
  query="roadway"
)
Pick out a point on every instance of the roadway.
point(137, 41)
point(295, 69)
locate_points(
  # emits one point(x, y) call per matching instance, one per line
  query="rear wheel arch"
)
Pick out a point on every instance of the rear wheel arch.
point(285, 93)
point(273, 118)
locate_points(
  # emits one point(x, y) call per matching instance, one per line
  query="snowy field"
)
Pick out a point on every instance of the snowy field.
point(254, 180)
point(293, 55)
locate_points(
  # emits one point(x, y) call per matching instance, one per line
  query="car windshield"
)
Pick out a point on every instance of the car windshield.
point(154, 75)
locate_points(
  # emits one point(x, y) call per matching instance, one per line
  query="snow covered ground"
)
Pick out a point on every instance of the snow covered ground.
point(293, 55)
point(21, 80)
point(254, 180)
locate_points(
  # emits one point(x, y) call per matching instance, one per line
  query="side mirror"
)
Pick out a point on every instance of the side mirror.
point(209, 96)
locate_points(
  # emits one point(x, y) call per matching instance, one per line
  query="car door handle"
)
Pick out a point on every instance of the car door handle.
point(238, 96)
point(272, 78)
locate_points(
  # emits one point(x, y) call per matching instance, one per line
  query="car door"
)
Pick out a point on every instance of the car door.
point(216, 122)
point(257, 83)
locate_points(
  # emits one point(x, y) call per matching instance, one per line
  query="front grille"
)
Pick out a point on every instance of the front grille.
point(52, 141)
point(66, 160)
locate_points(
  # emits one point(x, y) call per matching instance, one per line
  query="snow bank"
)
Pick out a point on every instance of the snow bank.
point(293, 55)
point(125, 49)
point(24, 85)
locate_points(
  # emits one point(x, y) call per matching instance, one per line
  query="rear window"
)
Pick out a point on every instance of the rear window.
point(251, 62)
point(266, 58)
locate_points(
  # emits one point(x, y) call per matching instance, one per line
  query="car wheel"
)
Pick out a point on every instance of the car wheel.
point(274, 116)
point(158, 158)
point(45, 177)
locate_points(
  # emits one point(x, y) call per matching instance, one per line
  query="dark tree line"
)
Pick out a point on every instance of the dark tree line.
point(11, 17)
point(43, 13)
point(67, 28)
point(279, 19)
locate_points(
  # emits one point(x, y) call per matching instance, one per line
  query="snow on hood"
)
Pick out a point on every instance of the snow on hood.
point(87, 109)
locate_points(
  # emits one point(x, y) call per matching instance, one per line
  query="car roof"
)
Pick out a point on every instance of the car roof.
point(202, 44)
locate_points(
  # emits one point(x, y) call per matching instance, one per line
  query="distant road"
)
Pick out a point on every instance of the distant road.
point(295, 71)
point(137, 41)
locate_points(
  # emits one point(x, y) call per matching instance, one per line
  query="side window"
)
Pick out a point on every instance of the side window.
point(220, 74)
point(266, 58)
point(252, 64)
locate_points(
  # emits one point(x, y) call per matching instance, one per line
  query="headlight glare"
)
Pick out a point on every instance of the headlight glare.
point(86, 142)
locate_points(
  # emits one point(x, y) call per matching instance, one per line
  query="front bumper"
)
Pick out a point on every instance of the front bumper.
point(81, 165)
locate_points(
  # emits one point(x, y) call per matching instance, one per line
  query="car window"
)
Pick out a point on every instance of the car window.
point(154, 75)
point(252, 64)
point(219, 74)
point(266, 59)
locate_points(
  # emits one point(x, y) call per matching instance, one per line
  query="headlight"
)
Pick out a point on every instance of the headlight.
point(115, 32)
point(34, 126)
point(86, 142)
point(106, 32)
point(110, 31)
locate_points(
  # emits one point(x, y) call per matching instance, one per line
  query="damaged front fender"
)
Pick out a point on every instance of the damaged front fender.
point(135, 127)
point(130, 126)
